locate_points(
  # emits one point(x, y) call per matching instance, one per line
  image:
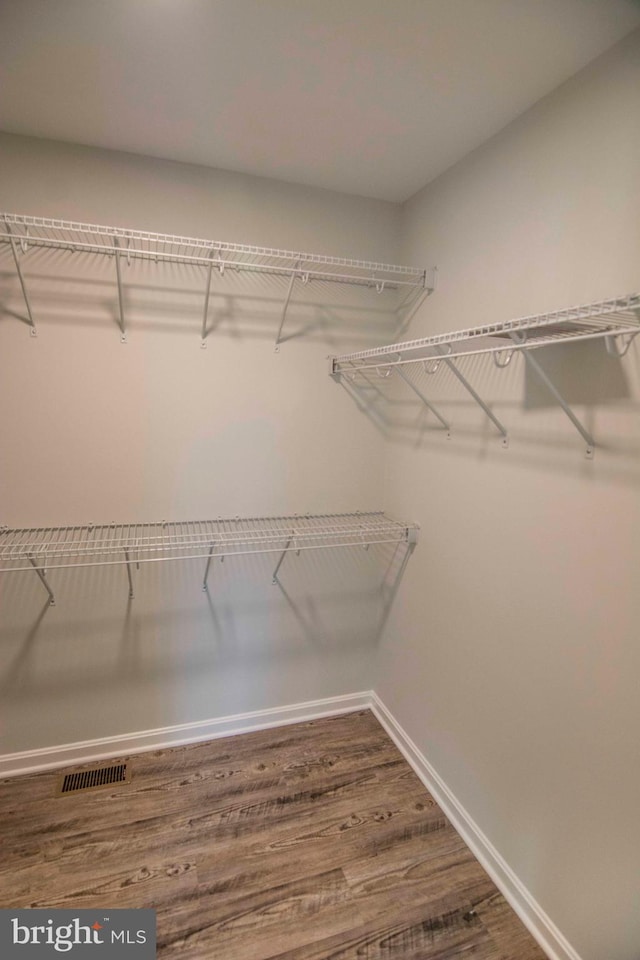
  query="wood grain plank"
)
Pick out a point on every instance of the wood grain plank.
point(443, 931)
point(511, 940)
point(252, 926)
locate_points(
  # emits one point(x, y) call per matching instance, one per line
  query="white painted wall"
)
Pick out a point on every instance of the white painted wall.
point(93, 430)
point(512, 658)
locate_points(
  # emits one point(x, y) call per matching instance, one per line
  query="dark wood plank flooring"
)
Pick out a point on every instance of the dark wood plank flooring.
point(308, 842)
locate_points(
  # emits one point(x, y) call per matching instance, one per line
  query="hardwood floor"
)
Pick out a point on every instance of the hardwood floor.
point(308, 842)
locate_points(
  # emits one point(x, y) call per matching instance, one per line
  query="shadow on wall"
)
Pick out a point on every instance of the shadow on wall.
point(171, 298)
point(431, 408)
point(324, 614)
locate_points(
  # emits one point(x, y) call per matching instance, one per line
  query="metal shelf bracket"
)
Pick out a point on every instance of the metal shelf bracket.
point(123, 332)
point(203, 338)
point(205, 585)
point(534, 365)
point(33, 331)
point(42, 573)
point(443, 350)
point(428, 286)
point(282, 556)
point(426, 402)
point(334, 370)
point(618, 345)
point(285, 305)
point(128, 562)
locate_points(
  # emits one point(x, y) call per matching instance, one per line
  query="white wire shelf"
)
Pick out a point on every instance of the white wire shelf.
point(22, 233)
point(68, 235)
point(45, 548)
point(617, 321)
point(606, 318)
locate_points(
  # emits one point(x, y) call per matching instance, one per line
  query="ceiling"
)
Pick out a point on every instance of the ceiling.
point(371, 97)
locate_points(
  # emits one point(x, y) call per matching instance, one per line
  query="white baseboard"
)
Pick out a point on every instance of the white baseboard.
point(541, 927)
point(89, 751)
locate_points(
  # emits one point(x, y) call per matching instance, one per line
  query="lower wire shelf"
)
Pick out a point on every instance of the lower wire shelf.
point(41, 549)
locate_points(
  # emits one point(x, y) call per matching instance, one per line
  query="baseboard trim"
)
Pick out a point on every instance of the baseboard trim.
point(541, 927)
point(89, 751)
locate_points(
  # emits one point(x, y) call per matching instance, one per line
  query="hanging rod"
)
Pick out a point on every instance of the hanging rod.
point(46, 548)
point(617, 321)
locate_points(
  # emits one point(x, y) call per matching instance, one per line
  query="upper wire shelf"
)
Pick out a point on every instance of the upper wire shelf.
point(617, 321)
point(44, 548)
point(606, 318)
point(23, 232)
point(68, 235)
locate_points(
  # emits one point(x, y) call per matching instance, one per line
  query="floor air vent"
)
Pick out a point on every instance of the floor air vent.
point(93, 779)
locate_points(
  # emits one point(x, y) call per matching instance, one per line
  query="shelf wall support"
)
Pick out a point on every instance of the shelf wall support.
point(126, 553)
point(123, 332)
point(413, 309)
point(426, 402)
point(285, 306)
point(42, 574)
point(34, 332)
point(618, 345)
point(534, 365)
point(203, 343)
point(279, 563)
point(205, 586)
point(465, 383)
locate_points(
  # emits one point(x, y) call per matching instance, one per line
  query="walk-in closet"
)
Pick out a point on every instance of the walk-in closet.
point(320, 476)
